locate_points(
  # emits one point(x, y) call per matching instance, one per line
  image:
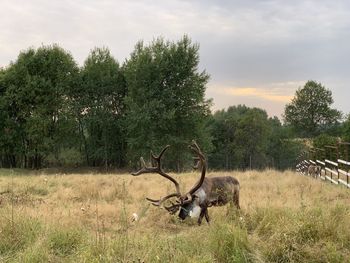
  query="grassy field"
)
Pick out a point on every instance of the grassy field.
point(285, 217)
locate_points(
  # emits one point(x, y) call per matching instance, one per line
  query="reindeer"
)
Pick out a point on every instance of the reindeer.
point(314, 170)
point(207, 192)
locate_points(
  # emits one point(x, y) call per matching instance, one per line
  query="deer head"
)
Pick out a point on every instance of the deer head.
point(188, 202)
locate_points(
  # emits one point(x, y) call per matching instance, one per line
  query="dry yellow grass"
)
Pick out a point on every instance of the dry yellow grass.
point(101, 205)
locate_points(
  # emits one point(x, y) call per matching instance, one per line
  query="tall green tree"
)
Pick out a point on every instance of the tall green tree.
point(98, 103)
point(166, 103)
point(283, 149)
point(244, 137)
point(35, 102)
point(310, 110)
point(240, 136)
point(319, 144)
point(223, 126)
point(7, 156)
point(346, 129)
point(252, 138)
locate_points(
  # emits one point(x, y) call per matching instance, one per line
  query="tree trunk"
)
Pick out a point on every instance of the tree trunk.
point(81, 129)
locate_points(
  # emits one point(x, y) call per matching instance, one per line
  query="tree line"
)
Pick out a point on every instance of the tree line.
point(107, 114)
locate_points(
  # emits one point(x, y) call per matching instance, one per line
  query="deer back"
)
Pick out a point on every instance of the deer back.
point(217, 190)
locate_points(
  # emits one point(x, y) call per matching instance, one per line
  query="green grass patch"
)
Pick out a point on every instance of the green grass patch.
point(64, 242)
point(229, 243)
point(17, 234)
point(37, 190)
point(305, 235)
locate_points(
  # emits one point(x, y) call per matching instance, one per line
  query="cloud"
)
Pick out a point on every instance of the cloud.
point(248, 43)
point(270, 96)
point(276, 92)
point(257, 92)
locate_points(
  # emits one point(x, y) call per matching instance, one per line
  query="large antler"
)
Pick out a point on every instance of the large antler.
point(201, 162)
point(158, 202)
point(158, 169)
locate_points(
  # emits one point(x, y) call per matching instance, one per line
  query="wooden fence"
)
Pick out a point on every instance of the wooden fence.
point(332, 162)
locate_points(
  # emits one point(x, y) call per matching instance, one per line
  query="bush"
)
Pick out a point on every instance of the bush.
point(322, 140)
point(67, 157)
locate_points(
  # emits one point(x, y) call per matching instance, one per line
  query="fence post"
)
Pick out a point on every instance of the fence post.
point(337, 145)
point(325, 164)
point(334, 167)
point(347, 145)
point(347, 158)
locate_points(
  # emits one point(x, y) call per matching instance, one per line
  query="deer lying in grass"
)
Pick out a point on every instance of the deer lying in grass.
point(207, 192)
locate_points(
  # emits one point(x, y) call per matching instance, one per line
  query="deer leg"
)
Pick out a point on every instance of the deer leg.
point(206, 214)
point(200, 218)
point(236, 199)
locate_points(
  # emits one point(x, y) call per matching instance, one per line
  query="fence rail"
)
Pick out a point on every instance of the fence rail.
point(329, 164)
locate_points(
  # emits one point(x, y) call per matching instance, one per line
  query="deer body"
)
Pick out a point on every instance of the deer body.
point(220, 190)
point(207, 192)
point(314, 170)
point(215, 191)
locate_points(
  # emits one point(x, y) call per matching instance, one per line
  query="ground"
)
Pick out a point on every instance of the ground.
point(88, 217)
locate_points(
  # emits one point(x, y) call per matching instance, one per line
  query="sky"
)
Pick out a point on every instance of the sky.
point(257, 52)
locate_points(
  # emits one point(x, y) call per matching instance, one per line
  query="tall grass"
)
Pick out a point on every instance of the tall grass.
point(88, 218)
point(17, 233)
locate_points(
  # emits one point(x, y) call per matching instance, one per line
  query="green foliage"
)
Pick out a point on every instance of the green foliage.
point(66, 157)
point(252, 134)
point(310, 112)
point(283, 149)
point(165, 99)
point(346, 130)
point(98, 102)
point(37, 118)
point(245, 137)
point(53, 113)
point(322, 140)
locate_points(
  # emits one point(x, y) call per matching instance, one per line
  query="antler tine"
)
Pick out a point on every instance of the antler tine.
point(158, 158)
point(153, 160)
point(194, 146)
point(144, 168)
point(142, 161)
point(201, 159)
point(152, 169)
point(160, 201)
point(173, 208)
point(157, 169)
